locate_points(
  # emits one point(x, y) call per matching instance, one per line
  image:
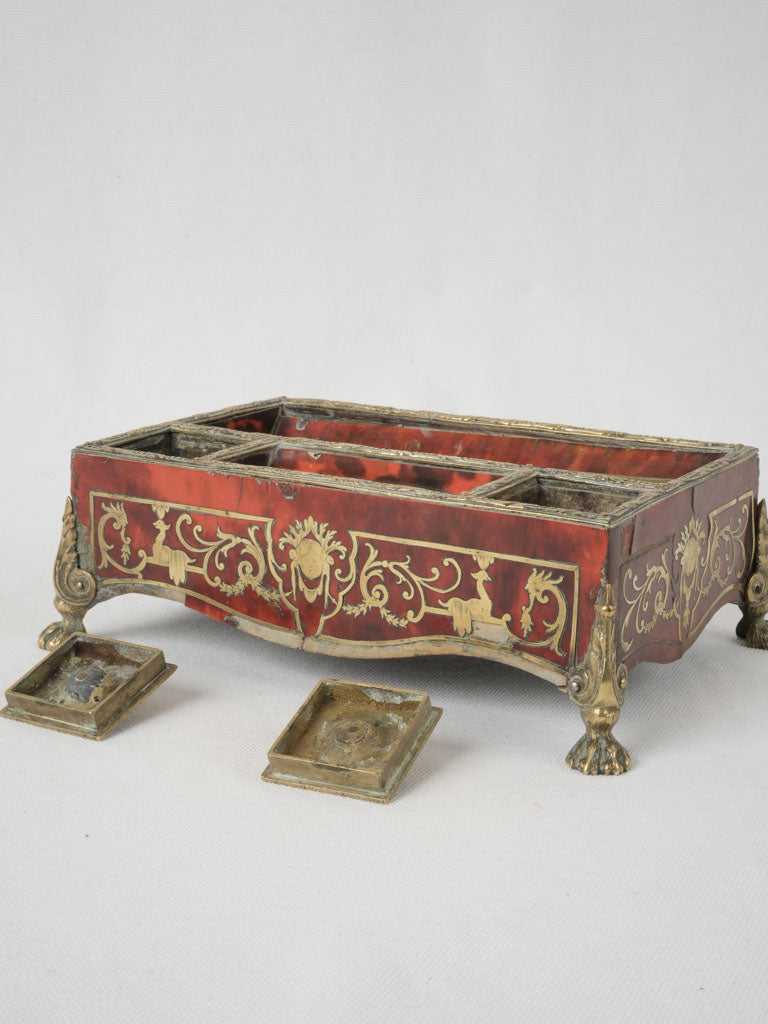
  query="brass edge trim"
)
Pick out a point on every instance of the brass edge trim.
point(389, 412)
point(364, 451)
point(142, 586)
point(243, 409)
point(650, 494)
point(593, 520)
point(508, 425)
point(184, 421)
point(467, 646)
point(228, 455)
point(520, 475)
point(203, 431)
point(629, 512)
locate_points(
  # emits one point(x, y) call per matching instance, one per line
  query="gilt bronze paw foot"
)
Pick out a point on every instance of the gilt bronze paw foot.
point(599, 753)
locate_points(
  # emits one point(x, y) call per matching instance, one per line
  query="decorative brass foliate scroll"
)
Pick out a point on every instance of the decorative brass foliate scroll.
point(753, 628)
point(598, 685)
point(75, 587)
point(707, 559)
point(194, 555)
point(309, 561)
point(376, 591)
point(380, 576)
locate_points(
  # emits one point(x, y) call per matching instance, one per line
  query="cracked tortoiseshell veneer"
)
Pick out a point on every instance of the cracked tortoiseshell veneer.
point(373, 532)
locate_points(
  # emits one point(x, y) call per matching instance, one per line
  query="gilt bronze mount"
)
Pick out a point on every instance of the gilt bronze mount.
point(753, 627)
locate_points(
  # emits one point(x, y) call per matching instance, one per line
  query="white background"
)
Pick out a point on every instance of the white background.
point(539, 210)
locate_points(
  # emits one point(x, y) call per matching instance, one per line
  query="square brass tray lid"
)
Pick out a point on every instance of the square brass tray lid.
point(87, 685)
point(352, 739)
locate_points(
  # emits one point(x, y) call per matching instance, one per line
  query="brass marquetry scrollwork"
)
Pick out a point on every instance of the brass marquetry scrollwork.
point(543, 586)
point(195, 555)
point(704, 560)
point(379, 576)
point(413, 587)
point(310, 563)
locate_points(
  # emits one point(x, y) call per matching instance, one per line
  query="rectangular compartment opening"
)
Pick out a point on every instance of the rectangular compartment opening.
point(544, 452)
point(260, 458)
point(567, 495)
point(176, 444)
point(261, 421)
point(407, 474)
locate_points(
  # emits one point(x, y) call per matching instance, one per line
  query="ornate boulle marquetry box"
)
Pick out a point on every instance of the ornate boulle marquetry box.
point(372, 532)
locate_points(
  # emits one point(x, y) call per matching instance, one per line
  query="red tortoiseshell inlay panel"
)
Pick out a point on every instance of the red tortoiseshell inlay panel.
point(679, 561)
point(536, 451)
point(368, 568)
point(434, 478)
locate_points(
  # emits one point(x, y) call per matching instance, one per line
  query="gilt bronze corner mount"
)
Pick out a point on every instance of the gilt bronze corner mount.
point(753, 628)
point(75, 587)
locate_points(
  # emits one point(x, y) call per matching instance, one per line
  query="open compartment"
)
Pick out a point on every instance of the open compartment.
point(471, 441)
point(260, 420)
point(445, 479)
point(178, 443)
point(567, 495)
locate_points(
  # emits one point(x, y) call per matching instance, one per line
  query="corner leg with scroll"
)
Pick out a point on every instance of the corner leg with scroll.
point(598, 686)
point(753, 628)
point(75, 587)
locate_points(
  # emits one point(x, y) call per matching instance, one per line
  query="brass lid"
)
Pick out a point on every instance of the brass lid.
point(352, 739)
point(87, 685)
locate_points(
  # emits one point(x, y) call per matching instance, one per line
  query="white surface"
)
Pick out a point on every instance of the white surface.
point(548, 211)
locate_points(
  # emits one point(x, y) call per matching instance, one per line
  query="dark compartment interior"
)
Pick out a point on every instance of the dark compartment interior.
point(176, 443)
point(262, 421)
point(562, 494)
point(544, 452)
